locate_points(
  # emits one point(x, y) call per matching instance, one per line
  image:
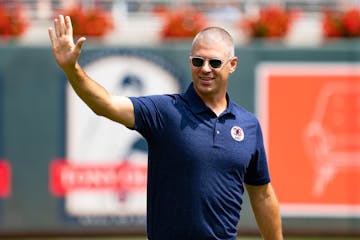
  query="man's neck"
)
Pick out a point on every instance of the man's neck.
point(217, 104)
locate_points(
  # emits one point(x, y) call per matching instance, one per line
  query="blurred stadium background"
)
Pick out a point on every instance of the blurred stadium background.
point(139, 22)
point(63, 171)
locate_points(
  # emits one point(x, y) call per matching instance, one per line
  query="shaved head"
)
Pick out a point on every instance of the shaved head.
point(216, 35)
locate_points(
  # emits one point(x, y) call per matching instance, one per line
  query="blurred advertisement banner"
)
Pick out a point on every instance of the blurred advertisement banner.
point(5, 179)
point(122, 177)
point(104, 173)
point(311, 121)
point(5, 169)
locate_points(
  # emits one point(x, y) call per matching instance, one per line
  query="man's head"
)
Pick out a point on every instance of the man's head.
point(216, 35)
point(212, 60)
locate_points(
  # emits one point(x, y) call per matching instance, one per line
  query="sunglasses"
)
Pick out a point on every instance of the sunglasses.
point(199, 62)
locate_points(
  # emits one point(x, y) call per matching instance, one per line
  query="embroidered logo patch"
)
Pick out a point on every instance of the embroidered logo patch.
point(237, 133)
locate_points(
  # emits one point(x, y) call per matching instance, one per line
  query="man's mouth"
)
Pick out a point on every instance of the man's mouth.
point(206, 78)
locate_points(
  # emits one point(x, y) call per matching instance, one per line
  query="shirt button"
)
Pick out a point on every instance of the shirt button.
point(217, 132)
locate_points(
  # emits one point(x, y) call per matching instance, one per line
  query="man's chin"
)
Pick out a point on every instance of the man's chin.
point(204, 89)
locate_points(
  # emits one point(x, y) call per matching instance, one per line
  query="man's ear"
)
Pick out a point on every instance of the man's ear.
point(233, 64)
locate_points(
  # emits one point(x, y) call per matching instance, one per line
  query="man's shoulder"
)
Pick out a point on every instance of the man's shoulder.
point(158, 97)
point(242, 111)
point(157, 100)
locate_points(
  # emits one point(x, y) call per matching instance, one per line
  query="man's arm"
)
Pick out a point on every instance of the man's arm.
point(66, 53)
point(266, 210)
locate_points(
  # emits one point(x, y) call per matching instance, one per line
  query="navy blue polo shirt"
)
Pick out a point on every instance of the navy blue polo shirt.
point(198, 163)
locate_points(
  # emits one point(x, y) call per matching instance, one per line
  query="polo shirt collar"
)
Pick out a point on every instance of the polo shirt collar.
point(198, 106)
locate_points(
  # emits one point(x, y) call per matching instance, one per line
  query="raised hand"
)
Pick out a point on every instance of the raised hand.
point(66, 53)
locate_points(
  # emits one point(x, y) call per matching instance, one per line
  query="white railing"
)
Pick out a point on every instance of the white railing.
point(42, 9)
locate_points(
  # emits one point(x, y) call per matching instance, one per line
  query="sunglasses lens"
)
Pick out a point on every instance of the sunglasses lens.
point(197, 62)
point(215, 63)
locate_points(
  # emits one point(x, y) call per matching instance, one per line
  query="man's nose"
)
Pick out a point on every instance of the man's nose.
point(206, 67)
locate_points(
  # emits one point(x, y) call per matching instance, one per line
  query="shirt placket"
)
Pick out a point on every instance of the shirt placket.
point(216, 131)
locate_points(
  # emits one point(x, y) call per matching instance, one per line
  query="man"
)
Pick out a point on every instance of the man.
point(203, 148)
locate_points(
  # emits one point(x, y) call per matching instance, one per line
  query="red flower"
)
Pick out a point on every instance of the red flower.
point(332, 24)
point(341, 24)
point(12, 20)
point(89, 22)
point(182, 23)
point(272, 22)
point(351, 21)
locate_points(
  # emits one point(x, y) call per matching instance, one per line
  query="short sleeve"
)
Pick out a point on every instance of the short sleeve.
point(148, 117)
point(258, 172)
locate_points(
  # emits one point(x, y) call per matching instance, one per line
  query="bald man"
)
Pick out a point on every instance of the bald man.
point(204, 149)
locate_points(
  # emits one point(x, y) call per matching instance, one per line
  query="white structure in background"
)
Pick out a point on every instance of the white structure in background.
point(92, 140)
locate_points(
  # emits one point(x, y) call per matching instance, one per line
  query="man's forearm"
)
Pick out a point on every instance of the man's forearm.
point(92, 93)
point(268, 219)
point(266, 210)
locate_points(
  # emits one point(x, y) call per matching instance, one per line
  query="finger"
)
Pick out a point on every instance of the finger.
point(52, 36)
point(79, 44)
point(57, 27)
point(62, 25)
point(69, 29)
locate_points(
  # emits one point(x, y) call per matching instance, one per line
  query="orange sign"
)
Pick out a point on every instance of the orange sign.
point(311, 121)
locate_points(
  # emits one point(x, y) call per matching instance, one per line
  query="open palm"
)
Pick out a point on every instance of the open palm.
point(66, 53)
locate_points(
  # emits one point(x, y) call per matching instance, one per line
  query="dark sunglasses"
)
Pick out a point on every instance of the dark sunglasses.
point(199, 62)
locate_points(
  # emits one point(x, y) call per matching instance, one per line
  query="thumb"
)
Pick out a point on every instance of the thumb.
point(79, 44)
